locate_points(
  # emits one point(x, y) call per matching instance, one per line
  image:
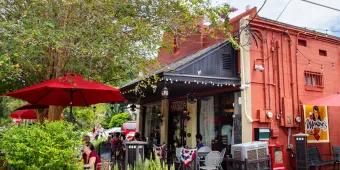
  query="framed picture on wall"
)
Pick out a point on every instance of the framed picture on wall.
point(316, 123)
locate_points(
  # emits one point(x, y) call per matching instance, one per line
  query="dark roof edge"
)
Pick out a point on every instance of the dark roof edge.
point(290, 26)
point(180, 62)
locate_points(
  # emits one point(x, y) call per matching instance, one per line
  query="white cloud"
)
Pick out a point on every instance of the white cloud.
point(297, 13)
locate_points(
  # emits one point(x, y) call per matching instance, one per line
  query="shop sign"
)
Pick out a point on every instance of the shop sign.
point(178, 106)
point(316, 123)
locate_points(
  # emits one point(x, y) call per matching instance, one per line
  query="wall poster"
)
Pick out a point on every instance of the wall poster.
point(316, 123)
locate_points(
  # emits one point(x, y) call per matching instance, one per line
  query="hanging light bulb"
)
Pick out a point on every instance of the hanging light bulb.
point(309, 62)
point(322, 67)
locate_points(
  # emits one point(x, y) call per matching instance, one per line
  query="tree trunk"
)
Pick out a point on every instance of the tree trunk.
point(41, 114)
point(55, 112)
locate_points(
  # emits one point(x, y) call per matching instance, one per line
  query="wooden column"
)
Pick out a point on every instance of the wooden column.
point(165, 122)
point(192, 124)
point(139, 119)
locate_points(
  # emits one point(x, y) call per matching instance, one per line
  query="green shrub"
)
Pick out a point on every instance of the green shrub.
point(152, 164)
point(52, 145)
point(118, 119)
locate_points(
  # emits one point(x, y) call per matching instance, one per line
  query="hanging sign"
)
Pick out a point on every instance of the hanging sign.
point(178, 106)
point(316, 123)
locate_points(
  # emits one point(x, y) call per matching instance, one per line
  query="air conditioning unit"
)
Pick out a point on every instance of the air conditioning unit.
point(250, 151)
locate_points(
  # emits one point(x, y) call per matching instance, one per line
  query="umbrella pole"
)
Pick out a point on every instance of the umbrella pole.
point(72, 119)
point(71, 113)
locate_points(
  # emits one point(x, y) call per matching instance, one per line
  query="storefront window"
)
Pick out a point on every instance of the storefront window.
point(216, 120)
point(152, 123)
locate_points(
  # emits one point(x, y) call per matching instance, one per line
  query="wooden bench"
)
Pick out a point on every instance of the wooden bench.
point(314, 158)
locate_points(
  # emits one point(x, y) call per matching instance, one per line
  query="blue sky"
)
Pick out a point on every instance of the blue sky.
point(297, 13)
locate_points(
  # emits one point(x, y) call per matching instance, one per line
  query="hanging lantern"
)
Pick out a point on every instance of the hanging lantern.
point(165, 92)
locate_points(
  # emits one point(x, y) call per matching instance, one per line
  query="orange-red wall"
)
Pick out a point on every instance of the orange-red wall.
point(283, 77)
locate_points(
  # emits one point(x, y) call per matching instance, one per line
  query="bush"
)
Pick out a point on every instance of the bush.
point(52, 145)
point(152, 164)
point(118, 119)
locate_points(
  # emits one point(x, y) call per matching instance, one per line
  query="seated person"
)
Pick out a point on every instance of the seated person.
point(137, 137)
point(199, 141)
point(91, 158)
point(117, 147)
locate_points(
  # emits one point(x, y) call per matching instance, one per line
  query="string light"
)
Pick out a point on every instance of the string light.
point(316, 63)
point(209, 83)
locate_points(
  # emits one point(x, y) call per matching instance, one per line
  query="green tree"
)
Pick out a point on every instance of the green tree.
point(106, 40)
point(52, 145)
point(112, 109)
point(118, 119)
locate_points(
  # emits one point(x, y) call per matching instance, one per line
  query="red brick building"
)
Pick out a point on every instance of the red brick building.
point(280, 67)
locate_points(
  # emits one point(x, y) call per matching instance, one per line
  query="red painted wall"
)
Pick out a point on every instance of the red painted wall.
point(275, 47)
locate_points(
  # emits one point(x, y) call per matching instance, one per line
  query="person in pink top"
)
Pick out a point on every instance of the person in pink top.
point(91, 158)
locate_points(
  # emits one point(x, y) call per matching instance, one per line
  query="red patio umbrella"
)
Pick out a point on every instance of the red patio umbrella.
point(69, 90)
point(24, 114)
point(32, 106)
point(332, 100)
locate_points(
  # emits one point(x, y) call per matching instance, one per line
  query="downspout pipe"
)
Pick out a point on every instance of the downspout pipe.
point(296, 70)
point(291, 71)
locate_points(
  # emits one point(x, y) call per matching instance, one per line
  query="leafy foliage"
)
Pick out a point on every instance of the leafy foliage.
point(152, 164)
point(87, 117)
point(118, 119)
point(112, 110)
point(8, 105)
point(109, 41)
point(52, 145)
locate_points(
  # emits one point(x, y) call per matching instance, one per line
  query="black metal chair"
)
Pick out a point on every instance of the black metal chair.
point(336, 156)
point(314, 158)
